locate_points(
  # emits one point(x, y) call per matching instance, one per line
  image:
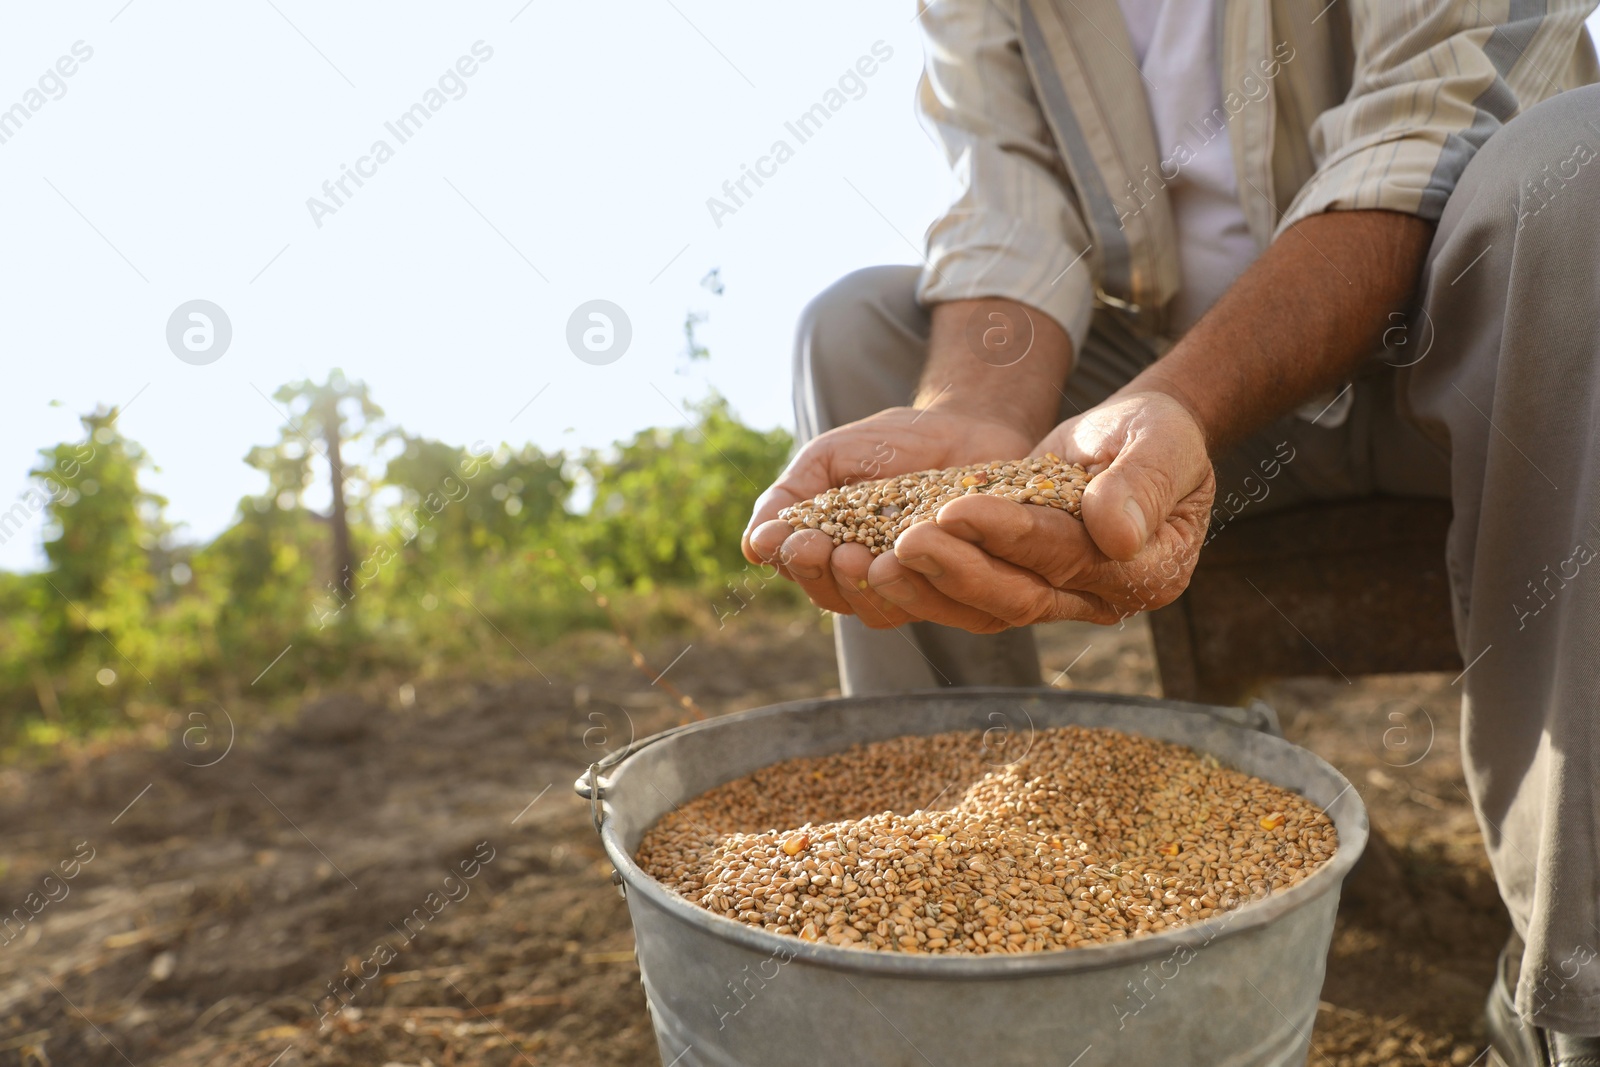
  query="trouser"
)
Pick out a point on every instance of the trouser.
point(1490, 395)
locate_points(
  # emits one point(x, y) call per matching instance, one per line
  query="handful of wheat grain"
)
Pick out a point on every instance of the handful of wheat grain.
point(875, 513)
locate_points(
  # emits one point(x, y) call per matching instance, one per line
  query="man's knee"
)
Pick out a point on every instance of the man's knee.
point(1544, 166)
point(858, 308)
point(858, 345)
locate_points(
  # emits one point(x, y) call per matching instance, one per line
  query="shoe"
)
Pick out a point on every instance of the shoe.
point(1514, 1042)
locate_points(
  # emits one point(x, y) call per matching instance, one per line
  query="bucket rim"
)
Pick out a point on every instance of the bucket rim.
point(1353, 829)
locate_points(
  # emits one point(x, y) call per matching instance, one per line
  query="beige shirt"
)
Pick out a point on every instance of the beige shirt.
point(1178, 65)
point(1062, 200)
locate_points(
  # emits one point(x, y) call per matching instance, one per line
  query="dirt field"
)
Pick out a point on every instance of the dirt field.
point(219, 902)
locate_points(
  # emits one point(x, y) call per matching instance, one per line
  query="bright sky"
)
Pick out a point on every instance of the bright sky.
point(577, 165)
point(175, 163)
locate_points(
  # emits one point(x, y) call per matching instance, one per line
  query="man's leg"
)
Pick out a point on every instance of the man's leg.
point(1511, 383)
point(1374, 450)
point(860, 348)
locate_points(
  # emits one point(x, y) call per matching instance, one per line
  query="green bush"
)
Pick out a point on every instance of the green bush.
point(455, 554)
point(670, 505)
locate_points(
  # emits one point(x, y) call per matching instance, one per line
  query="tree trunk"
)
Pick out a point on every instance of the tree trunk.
point(343, 565)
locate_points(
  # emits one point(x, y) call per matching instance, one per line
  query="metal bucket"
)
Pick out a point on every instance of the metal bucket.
point(1238, 989)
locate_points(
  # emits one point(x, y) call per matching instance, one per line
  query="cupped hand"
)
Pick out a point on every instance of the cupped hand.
point(986, 563)
point(895, 441)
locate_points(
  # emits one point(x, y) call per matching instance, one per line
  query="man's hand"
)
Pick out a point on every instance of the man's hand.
point(977, 401)
point(891, 442)
point(988, 563)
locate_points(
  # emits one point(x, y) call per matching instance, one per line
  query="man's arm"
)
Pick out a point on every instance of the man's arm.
point(1300, 320)
point(999, 360)
point(1013, 230)
point(1297, 323)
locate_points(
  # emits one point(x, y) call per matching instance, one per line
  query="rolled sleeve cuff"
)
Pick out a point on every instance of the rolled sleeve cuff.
point(967, 261)
point(1411, 172)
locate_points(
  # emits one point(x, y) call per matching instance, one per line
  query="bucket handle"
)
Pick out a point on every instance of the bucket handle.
point(591, 785)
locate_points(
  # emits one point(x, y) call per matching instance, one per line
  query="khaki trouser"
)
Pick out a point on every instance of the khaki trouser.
point(1490, 395)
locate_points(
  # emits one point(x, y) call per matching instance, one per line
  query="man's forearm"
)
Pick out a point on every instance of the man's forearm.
point(996, 360)
point(1300, 321)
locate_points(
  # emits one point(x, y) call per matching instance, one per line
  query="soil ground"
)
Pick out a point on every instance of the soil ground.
point(231, 887)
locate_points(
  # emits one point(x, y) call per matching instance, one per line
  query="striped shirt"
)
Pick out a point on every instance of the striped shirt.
point(1061, 199)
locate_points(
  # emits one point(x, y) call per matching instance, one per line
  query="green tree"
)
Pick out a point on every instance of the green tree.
point(261, 570)
point(93, 599)
point(327, 417)
point(670, 504)
point(104, 523)
point(462, 503)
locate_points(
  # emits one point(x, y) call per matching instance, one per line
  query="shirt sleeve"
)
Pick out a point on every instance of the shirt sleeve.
point(1432, 80)
point(1013, 229)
